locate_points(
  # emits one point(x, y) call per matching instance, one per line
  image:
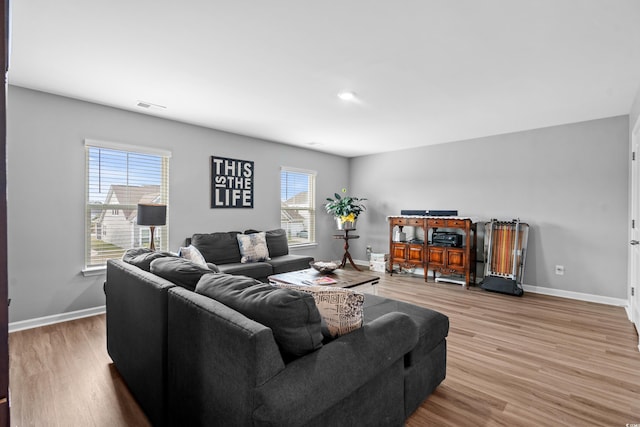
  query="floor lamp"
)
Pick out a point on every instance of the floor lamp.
point(152, 215)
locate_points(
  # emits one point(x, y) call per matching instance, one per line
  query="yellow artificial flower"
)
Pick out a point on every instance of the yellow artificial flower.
point(348, 218)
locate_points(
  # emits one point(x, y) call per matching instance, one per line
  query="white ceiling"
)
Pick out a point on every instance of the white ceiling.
point(425, 71)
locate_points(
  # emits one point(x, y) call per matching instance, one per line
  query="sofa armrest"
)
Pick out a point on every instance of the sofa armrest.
point(309, 383)
point(136, 303)
point(216, 357)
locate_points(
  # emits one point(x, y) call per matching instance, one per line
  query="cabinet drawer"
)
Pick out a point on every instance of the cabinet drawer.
point(456, 223)
point(398, 221)
point(416, 222)
point(436, 222)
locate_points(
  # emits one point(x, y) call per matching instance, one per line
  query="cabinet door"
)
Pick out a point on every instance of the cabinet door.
point(415, 254)
point(399, 252)
point(436, 256)
point(456, 259)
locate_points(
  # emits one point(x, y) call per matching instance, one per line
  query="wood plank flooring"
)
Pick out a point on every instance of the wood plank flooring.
point(530, 361)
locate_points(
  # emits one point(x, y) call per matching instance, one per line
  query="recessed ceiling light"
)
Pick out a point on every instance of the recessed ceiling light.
point(347, 96)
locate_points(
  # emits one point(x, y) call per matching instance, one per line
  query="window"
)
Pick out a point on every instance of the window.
point(297, 205)
point(118, 177)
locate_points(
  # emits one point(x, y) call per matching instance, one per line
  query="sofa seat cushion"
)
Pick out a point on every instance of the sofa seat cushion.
point(180, 271)
point(218, 248)
point(287, 263)
point(257, 270)
point(292, 316)
point(433, 327)
point(142, 257)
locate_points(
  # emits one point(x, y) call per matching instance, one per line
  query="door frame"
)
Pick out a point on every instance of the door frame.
point(633, 288)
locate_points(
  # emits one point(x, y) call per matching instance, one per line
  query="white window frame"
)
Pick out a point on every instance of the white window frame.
point(162, 232)
point(293, 239)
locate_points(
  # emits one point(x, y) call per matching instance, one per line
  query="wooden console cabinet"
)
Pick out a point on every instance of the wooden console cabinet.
point(443, 259)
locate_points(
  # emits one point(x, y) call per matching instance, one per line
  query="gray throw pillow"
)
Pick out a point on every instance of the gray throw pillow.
point(181, 271)
point(292, 316)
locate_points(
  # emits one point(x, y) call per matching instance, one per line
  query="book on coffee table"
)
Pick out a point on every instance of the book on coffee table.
point(324, 280)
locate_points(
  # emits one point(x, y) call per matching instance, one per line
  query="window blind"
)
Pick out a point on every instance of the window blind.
point(297, 205)
point(117, 179)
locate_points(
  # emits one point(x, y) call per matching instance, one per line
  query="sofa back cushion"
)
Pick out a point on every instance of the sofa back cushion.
point(277, 242)
point(219, 247)
point(292, 316)
point(142, 257)
point(180, 271)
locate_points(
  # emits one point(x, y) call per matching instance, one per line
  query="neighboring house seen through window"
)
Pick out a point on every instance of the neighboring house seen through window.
point(297, 205)
point(118, 177)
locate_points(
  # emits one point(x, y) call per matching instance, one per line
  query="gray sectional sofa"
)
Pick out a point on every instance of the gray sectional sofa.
point(222, 249)
point(194, 348)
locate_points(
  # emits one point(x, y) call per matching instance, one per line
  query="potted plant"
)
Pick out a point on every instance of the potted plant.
point(345, 209)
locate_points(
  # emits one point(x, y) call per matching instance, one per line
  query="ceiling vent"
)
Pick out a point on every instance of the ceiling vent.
point(150, 106)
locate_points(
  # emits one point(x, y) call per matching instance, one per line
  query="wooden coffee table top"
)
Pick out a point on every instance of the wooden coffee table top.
point(345, 278)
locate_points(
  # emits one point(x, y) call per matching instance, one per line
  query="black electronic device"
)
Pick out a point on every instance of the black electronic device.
point(417, 212)
point(442, 213)
point(446, 238)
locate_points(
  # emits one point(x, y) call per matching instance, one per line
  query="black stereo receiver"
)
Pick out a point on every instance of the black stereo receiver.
point(446, 238)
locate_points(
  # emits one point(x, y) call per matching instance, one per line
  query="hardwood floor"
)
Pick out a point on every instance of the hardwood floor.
point(61, 375)
point(530, 361)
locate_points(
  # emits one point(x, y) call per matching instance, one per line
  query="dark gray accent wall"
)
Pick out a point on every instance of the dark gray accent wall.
point(46, 191)
point(570, 183)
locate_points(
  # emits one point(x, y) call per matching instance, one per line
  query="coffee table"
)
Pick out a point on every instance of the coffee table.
point(344, 278)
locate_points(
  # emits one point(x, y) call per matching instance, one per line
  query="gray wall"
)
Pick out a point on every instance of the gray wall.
point(570, 183)
point(46, 191)
point(634, 114)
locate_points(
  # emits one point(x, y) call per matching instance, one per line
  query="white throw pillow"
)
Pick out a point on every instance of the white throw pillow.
point(253, 247)
point(192, 254)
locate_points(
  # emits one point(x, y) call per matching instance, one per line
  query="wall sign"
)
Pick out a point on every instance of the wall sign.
point(231, 183)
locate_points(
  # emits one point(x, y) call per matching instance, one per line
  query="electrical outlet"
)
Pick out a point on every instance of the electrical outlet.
point(560, 270)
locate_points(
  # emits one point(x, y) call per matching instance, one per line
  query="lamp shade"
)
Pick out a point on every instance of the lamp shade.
point(152, 214)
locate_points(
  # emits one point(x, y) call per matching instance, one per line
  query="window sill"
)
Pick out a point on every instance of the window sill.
point(303, 246)
point(94, 271)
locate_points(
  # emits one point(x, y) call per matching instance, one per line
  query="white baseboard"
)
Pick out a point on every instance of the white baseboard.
point(620, 302)
point(55, 318)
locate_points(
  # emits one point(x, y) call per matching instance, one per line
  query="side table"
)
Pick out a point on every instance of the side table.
point(347, 256)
